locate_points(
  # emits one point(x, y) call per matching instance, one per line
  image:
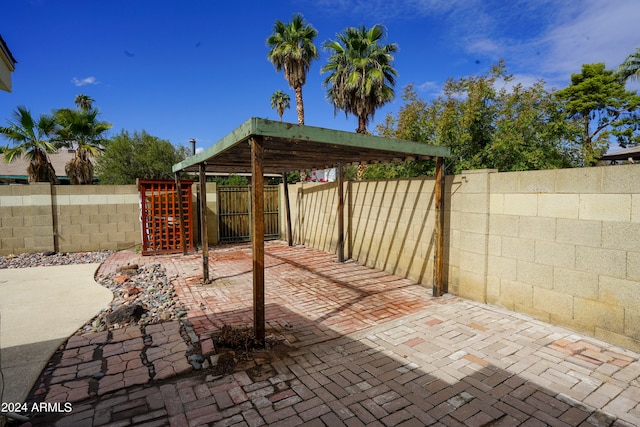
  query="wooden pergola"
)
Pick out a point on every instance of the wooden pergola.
point(261, 146)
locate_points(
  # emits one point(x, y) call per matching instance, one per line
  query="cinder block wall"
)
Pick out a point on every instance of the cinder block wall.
point(560, 245)
point(26, 219)
point(79, 218)
point(388, 224)
point(95, 217)
point(564, 246)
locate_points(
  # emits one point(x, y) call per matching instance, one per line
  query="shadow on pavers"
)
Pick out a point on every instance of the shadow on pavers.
point(386, 373)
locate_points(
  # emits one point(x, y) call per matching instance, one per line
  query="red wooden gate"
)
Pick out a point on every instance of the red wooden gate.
point(160, 216)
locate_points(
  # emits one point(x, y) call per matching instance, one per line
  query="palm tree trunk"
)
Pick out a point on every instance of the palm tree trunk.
point(362, 125)
point(40, 168)
point(299, 105)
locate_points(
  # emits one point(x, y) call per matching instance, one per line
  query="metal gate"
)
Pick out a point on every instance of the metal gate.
point(234, 213)
point(160, 216)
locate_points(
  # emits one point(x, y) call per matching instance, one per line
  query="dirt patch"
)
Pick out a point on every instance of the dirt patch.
point(237, 350)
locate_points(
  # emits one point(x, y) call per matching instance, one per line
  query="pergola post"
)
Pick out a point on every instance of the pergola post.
point(340, 213)
point(181, 213)
point(438, 268)
point(287, 208)
point(204, 228)
point(257, 236)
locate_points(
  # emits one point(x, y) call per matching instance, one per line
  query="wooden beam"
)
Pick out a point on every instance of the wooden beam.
point(438, 268)
point(181, 213)
point(257, 236)
point(340, 213)
point(287, 209)
point(204, 228)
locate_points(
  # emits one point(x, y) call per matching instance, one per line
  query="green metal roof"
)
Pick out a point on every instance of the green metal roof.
point(289, 147)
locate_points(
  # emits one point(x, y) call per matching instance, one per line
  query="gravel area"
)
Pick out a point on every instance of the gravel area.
point(52, 258)
point(144, 296)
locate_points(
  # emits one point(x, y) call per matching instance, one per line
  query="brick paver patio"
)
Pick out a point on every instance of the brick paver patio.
point(367, 348)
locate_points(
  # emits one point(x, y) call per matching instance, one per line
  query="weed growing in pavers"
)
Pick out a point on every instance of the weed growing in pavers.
point(241, 338)
point(237, 349)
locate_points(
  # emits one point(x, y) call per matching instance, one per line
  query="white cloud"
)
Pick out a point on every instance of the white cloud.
point(83, 82)
point(543, 39)
point(551, 40)
point(601, 32)
point(431, 89)
point(385, 9)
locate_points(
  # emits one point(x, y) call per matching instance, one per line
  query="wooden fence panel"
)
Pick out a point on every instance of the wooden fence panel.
point(234, 213)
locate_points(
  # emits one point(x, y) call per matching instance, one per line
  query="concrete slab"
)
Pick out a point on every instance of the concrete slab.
point(40, 308)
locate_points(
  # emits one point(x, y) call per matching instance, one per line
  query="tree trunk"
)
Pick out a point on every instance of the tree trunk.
point(40, 168)
point(589, 153)
point(299, 105)
point(362, 125)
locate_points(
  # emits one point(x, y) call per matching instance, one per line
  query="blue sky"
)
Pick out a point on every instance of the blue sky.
point(198, 69)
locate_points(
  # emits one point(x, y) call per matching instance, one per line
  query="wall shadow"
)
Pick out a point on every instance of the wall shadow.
point(388, 224)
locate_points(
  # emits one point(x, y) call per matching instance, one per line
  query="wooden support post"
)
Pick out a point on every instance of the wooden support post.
point(257, 236)
point(287, 209)
point(204, 228)
point(181, 214)
point(340, 213)
point(438, 267)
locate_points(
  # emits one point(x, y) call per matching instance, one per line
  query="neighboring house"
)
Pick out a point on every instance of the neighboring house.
point(7, 66)
point(16, 171)
point(631, 155)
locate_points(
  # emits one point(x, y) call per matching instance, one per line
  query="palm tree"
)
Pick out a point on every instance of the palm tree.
point(280, 101)
point(80, 129)
point(292, 50)
point(361, 75)
point(30, 139)
point(84, 102)
point(630, 68)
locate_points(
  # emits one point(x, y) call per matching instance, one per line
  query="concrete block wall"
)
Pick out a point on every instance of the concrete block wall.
point(564, 246)
point(313, 215)
point(388, 224)
point(73, 218)
point(561, 245)
point(468, 224)
point(95, 217)
point(26, 219)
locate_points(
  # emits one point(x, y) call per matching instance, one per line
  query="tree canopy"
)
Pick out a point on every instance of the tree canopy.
point(488, 122)
point(361, 76)
point(139, 155)
point(292, 51)
point(597, 101)
point(31, 139)
point(82, 131)
point(630, 68)
point(280, 101)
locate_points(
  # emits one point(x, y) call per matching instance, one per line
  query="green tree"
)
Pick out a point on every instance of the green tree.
point(127, 157)
point(84, 102)
point(361, 76)
point(280, 101)
point(293, 50)
point(630, 68)
point(487, 126)
point(31, 141)
point(81, 130)
point(231, 180)
point(598, 102)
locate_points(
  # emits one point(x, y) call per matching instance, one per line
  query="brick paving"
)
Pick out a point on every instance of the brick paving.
point(367, 348)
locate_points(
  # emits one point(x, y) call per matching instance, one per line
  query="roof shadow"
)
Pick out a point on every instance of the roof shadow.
point(360, 356)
